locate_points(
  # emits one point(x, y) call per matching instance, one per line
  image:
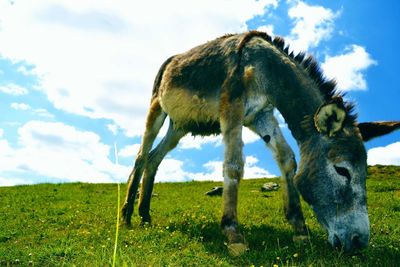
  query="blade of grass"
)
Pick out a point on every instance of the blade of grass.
point(116, 228)
point(118, 213)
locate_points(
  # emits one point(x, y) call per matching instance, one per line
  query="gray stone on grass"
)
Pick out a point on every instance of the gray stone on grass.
point(270, 186)
point(216, 191)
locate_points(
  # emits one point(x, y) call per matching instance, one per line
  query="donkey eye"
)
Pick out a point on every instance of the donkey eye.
point(343, 172)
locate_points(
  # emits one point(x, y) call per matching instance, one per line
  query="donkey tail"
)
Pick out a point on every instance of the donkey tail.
point(157, 80)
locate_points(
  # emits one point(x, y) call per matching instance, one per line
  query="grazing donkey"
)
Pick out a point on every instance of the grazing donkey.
point(237, 80)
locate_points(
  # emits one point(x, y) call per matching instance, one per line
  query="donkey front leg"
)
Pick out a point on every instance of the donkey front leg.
point(267, 127)
point(231, 127)
point(292, 206)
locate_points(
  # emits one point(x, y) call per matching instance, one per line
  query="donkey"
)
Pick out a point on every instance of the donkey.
point(237, 80)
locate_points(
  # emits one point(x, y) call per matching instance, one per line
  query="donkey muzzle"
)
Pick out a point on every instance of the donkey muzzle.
point(350, 232)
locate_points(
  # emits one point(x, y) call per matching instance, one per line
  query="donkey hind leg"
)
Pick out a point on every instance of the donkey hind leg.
point(267, 127)
point(154, 121)
point(231, 128)
point(168, 143)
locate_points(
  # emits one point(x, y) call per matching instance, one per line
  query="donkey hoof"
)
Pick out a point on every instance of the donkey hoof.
point(145, 224)
point(125, 222)
point(237, 249)
point(300, 239)
point(146, 221)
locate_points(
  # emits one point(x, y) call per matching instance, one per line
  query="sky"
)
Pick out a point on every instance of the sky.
point(76, 79)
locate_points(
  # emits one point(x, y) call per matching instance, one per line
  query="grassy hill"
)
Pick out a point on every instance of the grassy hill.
point(74, 224)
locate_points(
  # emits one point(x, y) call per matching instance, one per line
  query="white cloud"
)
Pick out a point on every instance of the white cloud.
point(267, 28)
point(42, 112)
point(251, 170)
point(11, 88)
point(281, 120)
point(26, 71)
point(249, 136)
point(20, 106)
point(129, 151)
point(112, 128)
point(99, 59)
point(214, 171)
point(1, 133)
point(61, 152)
point(312, 24)
point(196, 142)
point(14, 181)
point(348, 68)
point(5, 148)
point(171, 170)
point(387, 155)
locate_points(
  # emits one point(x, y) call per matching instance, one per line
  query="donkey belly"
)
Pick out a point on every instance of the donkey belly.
point(190, 111)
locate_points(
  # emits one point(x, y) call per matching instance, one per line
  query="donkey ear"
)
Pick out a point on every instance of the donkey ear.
point(371, 130)
point(329, 117)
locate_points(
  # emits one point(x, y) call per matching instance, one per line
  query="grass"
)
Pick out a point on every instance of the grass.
point(74, 224)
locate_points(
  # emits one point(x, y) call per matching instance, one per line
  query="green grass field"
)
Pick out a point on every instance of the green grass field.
point(74, 224)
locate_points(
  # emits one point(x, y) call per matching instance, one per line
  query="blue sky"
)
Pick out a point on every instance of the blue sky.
point(76, 77)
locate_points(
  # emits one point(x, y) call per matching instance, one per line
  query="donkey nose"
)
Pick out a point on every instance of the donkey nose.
point(336, 242)
point(357, 242)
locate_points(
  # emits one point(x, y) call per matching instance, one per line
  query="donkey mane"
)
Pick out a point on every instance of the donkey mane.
point(327, 87)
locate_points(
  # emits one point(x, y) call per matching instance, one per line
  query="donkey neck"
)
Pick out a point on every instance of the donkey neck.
point(292, 91)
point(297, 101)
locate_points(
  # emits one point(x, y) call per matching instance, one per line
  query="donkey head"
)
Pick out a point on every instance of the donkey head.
point(332, 174)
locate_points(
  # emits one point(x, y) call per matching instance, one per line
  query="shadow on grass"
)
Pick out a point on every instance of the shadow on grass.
point(266, 243)
point(269, 245)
